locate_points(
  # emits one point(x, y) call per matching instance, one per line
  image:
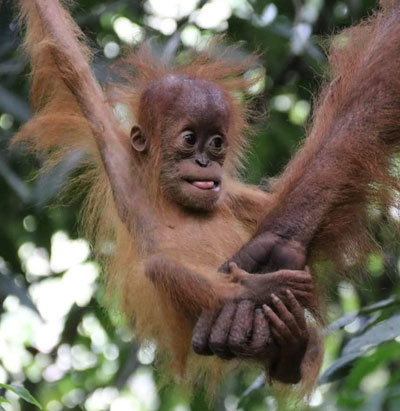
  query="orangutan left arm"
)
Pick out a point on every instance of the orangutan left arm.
point(346, 159)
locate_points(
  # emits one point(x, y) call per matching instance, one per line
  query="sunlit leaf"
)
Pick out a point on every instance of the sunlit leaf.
point(358, 346)
point(381, 332)
point(350, 317)
point(22, 393)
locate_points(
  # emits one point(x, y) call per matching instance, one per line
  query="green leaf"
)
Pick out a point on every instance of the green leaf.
point(380, 358)
point(379, 333)
point(2, 400)
point(358, 346)
point(22, 393)
point(339, 368)
point(350, 317)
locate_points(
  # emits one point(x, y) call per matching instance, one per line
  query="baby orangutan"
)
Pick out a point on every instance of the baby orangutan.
point(169, 200)
point(194, 125)
point(166, 209)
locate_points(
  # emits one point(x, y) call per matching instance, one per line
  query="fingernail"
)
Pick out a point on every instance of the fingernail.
point(288, 292)
point(274, 297)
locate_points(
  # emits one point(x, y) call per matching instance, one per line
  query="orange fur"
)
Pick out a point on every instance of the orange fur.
point(59, 127)
point(323, 198)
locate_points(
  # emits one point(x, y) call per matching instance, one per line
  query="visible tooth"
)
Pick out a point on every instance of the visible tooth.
point(205, 185)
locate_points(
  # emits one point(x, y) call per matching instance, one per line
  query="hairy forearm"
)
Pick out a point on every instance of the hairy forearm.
point(55, 40)
point(321, 188)
point(187, 291)
point(347, 156)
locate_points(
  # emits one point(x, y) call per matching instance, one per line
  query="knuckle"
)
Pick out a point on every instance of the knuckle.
point(200, 346)
point(216, 344)
point(237, 345)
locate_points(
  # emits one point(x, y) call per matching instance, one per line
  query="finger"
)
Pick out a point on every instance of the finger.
point(218, 341)
point(261, 333)
point(301, 276)
point(273, 320)
point(292, 276)
point(306, 287)
point(241, 329)
point(278, 338)
point(233, 267)
point(201, 332)
point(285, 316)
point(236, 272)
point(276, 323)
point(297, 310)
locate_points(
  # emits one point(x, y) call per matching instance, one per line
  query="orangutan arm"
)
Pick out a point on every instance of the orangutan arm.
point(346, 159)
point(53, 38)
point(321, 199)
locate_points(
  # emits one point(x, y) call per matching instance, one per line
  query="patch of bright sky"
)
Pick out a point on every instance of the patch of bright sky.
point(146, 353)
point(301, 34)
point(302, 31)
point(267, 16)
point(129, 32)
point(213, 15)
point(142, 386)
point(310, 10)
point(54, 297)
point(111, 50)
point(166, 26)
point(283, 102)
point(16, 329)
point(191, 36)
point(175, 9)
point(101, 398)
point(66, 253)
point(241, 8)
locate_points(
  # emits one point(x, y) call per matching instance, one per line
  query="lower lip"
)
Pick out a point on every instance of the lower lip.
point(205, 185)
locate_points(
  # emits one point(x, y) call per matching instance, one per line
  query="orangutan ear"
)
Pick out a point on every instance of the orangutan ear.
point(138, 139)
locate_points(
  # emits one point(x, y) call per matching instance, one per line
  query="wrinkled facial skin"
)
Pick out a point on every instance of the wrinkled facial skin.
point(194, 126)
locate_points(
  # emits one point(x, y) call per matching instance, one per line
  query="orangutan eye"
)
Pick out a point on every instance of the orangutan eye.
point(189, 138)
point(216, 142)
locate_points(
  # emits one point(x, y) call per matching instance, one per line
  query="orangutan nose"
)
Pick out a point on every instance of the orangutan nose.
point(202, 160)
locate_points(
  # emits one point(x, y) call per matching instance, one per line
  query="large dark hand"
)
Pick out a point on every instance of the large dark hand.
point(237, 330)
point(216, 331)
point(269, 252)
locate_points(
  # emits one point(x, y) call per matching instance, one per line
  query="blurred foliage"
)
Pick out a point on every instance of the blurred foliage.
point(56, 339)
